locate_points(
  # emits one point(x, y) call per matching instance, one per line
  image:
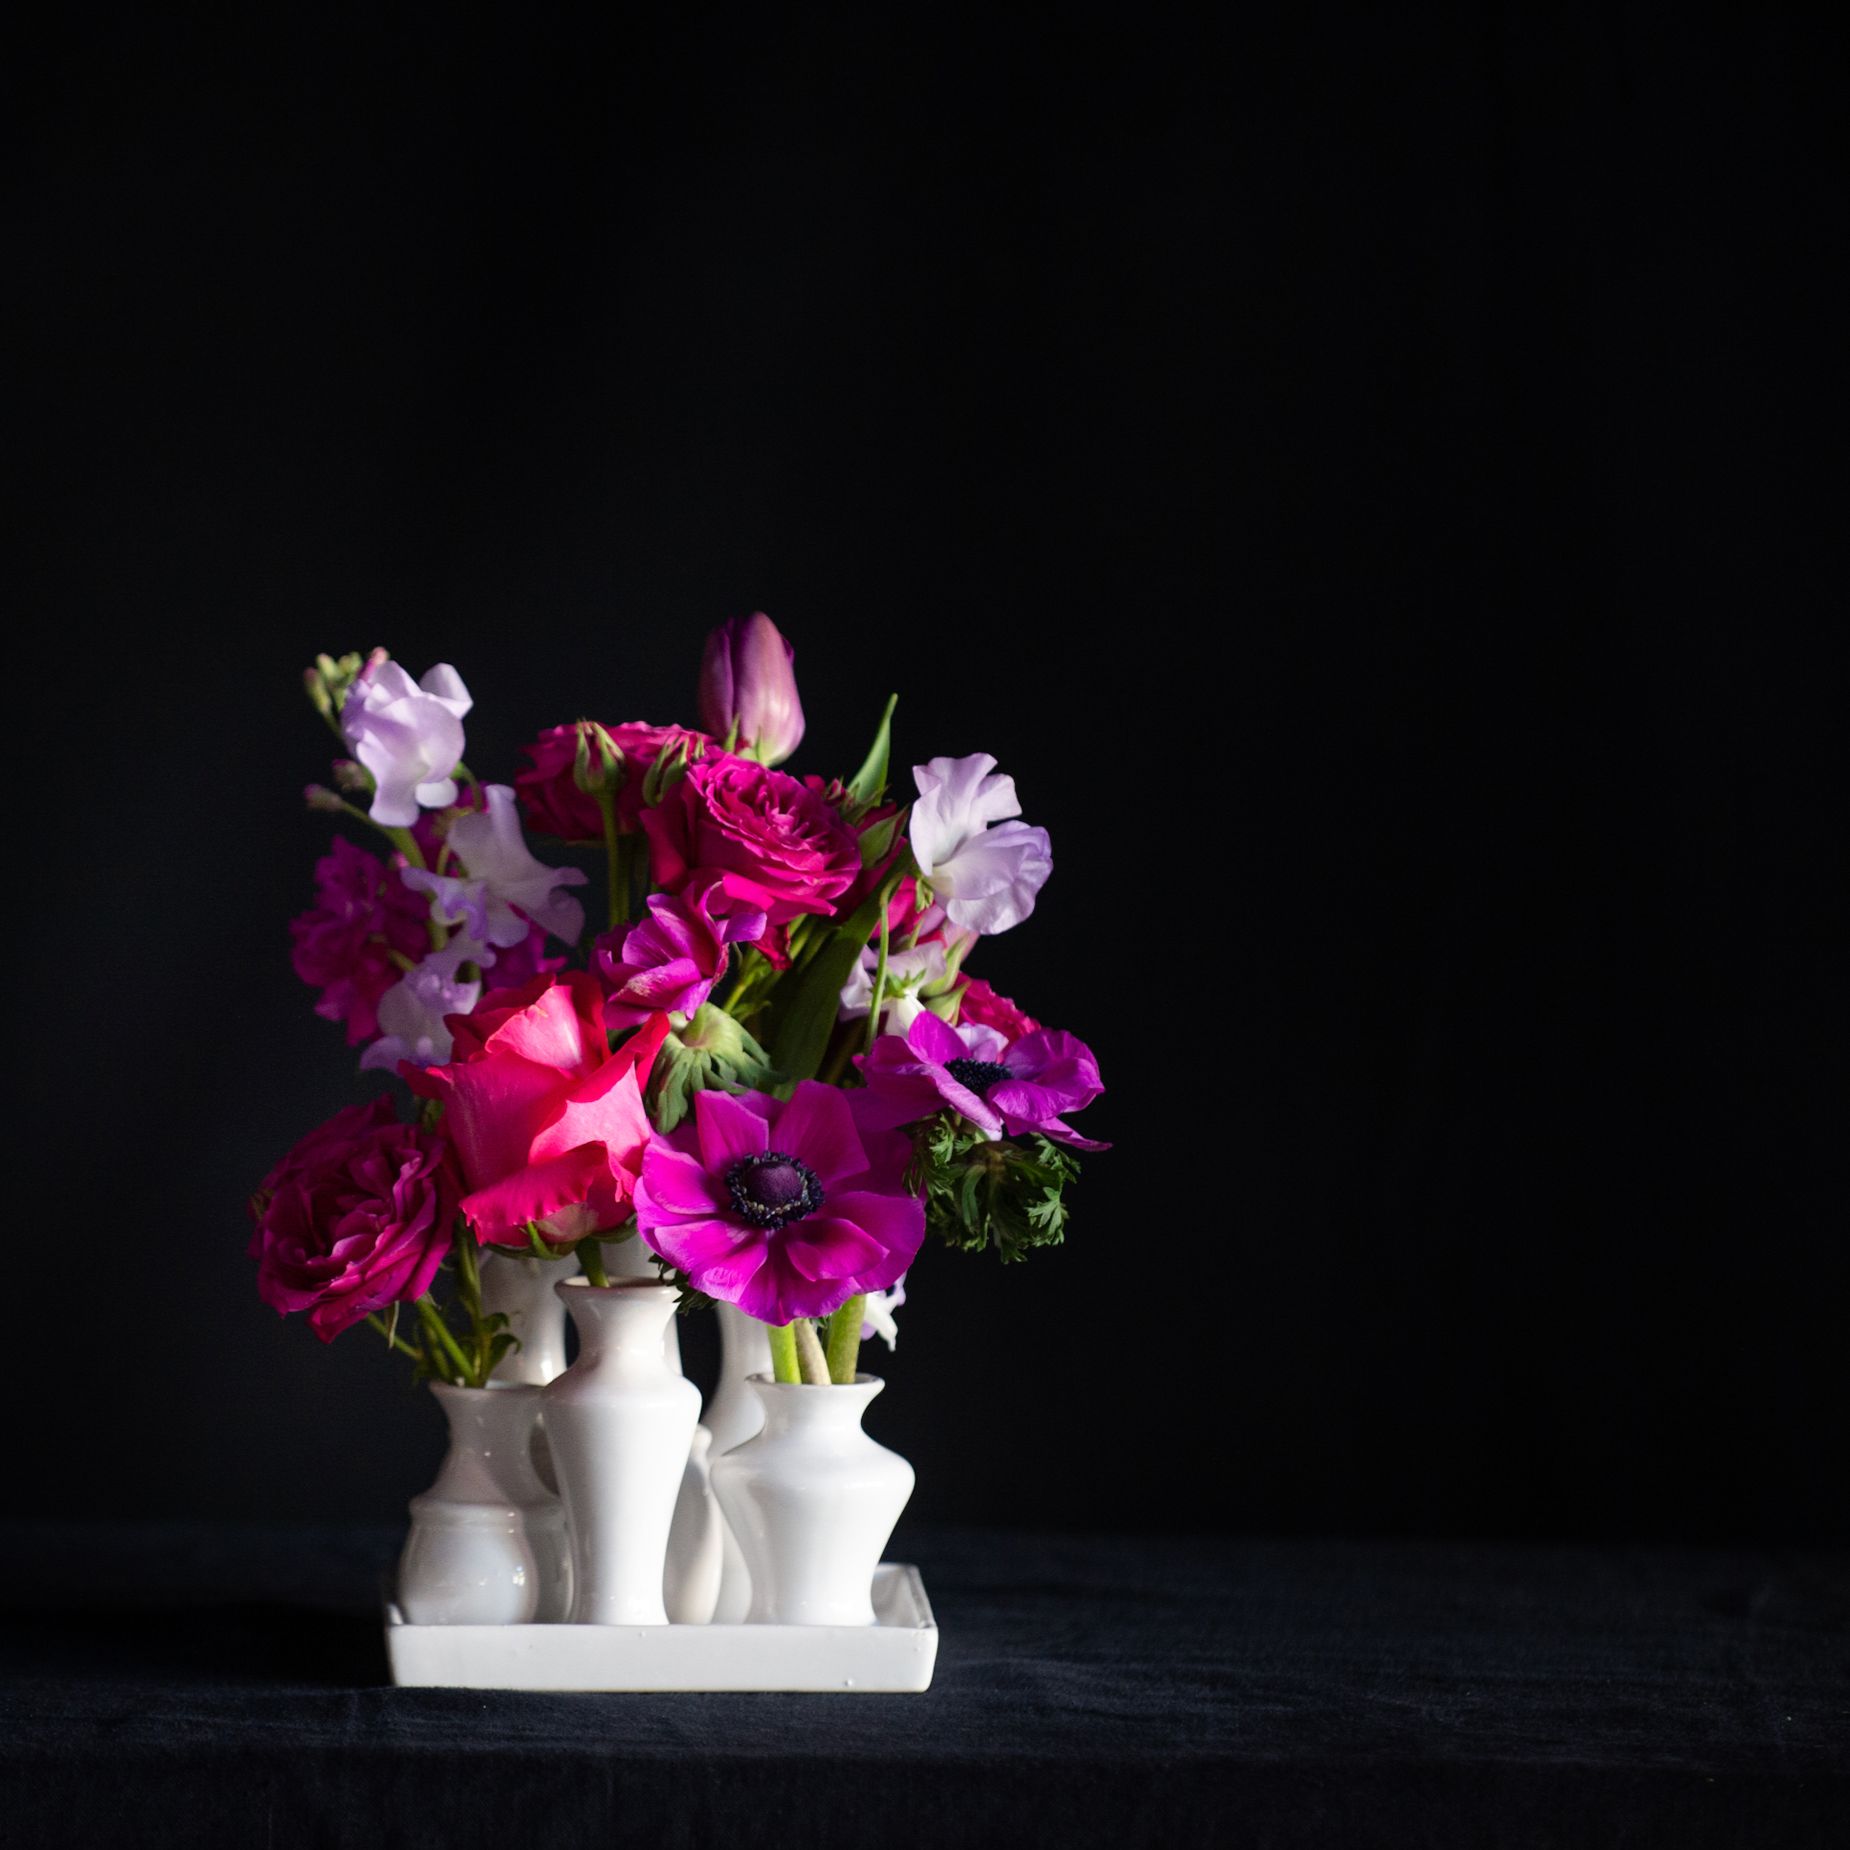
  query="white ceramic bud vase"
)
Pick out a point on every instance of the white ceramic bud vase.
point(737, 1414)
point(812, 1501)
point(691, 1574)
point(487, 1543)
point(522, 1287)
point(631, 1259)
point(621, 1423)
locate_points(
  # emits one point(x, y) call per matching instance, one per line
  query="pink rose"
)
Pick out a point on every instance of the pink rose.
point(363, 913)
point(980, 1004)
point(548, 1122)
point(358, 1214)
point(737, 817)
point(554, 803)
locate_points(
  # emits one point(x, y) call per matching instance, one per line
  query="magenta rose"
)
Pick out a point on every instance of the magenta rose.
point(356, 1216)
point(737, 817)
point(554, 803)
point(363, 913)
point(671, 959)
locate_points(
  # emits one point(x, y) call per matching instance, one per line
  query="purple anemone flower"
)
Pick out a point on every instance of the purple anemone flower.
point(786, 1210)
point(1022, 1086)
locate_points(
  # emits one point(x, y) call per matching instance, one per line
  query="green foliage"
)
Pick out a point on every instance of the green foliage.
point(868, 782)
point(1008, 1194)
point(713, 1050)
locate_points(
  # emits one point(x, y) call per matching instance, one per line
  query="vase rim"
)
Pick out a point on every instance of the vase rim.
point(581, 1283)
point(860, 1380)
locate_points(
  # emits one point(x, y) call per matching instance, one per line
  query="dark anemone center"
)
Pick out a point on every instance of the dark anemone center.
point(771, 1189)
point(977, 1075)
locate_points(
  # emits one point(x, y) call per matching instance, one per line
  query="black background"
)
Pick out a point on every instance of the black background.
point(1372, 482)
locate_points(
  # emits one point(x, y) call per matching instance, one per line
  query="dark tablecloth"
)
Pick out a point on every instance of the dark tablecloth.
point(198, 1685)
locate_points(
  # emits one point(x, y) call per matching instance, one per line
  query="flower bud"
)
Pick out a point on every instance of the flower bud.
point(669, 768)
point(604, 773)
point(748, 691)
point(351, 776)
point(711, 1051)
point(319, 796)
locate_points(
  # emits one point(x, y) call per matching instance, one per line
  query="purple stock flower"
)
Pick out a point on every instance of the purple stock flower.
point(363, 913)
point(786, 1210)
point(671, 959)
point(746, 681)
point(1016, 1088)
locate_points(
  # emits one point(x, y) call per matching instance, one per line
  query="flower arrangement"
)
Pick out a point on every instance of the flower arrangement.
point(771, 1068)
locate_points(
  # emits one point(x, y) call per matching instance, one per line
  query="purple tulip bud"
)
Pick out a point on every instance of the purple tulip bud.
point(748, 691)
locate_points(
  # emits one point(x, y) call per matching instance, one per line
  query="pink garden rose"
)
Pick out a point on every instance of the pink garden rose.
point(981, 1005)
point(733, 816)
point(671, 959)
point(786, 1210)
point(554, 803)
point(1014, 1087)
point(357, 1215)
point(549, 1123)
point(363, 912)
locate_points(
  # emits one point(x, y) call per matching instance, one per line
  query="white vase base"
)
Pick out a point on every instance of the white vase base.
point(895, 1654)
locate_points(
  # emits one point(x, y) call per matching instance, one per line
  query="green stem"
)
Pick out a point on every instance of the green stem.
point(390, 1333)
point(439, 1332)
point(873, 1014)
point(406, 843)
point(591, 1257)
point(616, 862)
point(810, 1359)
point(784, 1351)
point(845, 1340)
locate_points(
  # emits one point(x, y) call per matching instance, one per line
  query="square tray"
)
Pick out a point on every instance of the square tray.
point(895, 1653)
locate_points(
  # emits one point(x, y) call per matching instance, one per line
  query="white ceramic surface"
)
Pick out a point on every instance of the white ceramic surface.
point(523, 1288)
point(812, 1501)
point(621, 1425)
point(487, 1543)
point(690, 1577)
point(737, 1414)
point(631, 1259)
point(896, 1653)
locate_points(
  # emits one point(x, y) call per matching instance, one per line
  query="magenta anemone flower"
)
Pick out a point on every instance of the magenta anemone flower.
point(786, 1210)
point(1019, 1087)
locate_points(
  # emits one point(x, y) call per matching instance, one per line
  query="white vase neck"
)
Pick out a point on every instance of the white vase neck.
point(791, 1406)
point(619, 1325)
point(491, 1433)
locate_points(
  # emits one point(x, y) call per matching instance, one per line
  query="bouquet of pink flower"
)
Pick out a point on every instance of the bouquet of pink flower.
point(771, 1069)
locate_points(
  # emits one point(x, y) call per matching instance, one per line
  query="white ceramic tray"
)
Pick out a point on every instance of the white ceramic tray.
point(896, 1652)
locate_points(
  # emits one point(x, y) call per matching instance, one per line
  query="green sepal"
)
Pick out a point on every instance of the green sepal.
point(868, 782)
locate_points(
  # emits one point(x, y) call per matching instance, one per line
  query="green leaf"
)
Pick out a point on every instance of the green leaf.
point(803, 1027)
point(868, 782)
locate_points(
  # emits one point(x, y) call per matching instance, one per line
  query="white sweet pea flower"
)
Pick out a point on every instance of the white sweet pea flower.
point(411, 1012)
point(985, 871)
point(500, 874)
point(409, 735)
point(907, 972)
point(877, 1313)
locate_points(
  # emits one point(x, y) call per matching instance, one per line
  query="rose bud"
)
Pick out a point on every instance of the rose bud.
point(748, 692)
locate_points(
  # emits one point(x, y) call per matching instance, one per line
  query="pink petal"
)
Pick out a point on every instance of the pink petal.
point(895, 1222)
point(728, 1130)
point(935, 1040)
point(818, 1127)
point(678, 1184)
point(831, 1248)
point(533, 1192)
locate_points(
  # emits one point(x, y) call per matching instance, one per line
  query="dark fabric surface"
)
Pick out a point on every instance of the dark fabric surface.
point(186, 1684)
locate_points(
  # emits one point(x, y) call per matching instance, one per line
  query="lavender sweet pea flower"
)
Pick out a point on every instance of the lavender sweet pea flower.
point(409, 735)
point(984, 870)
point(500, 874)
point(907, 972)
point(411, 1012)
point(1016, 1088)
point(746, 682)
